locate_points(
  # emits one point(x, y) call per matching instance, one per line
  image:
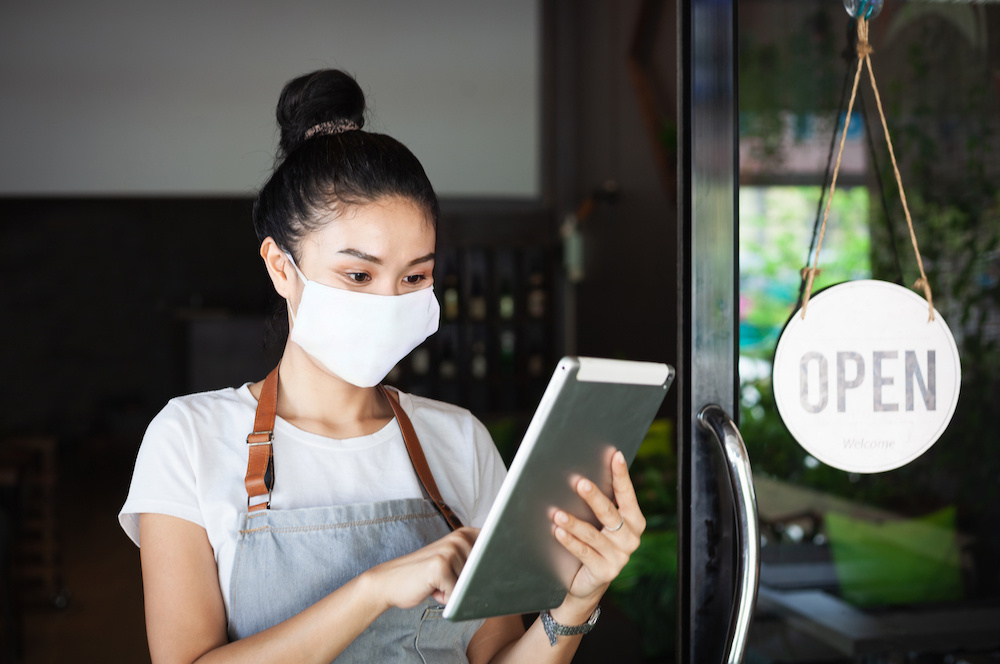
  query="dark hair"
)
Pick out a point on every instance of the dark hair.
point(329, 171)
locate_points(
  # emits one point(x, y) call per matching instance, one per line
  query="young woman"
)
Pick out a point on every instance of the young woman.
point(286, 520)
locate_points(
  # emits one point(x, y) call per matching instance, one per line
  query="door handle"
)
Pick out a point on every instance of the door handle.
point(714, 419)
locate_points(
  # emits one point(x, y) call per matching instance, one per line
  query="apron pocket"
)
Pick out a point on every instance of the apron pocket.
point(440, 640)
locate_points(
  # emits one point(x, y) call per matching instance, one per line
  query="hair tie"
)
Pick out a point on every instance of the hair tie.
point(330, 128)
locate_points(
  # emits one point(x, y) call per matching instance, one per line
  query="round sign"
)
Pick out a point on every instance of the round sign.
point(865, 383)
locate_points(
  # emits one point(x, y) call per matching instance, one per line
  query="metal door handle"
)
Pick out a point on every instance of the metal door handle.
point(714, 419)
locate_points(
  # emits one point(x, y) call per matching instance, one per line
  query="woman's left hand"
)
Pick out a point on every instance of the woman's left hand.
point(605, 551)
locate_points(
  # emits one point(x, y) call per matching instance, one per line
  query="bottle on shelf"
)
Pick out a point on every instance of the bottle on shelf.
point(508, 348)
point(537, 296)
point(452, 309)
point(479, 366)
point(505, 284)
point(477, 299)
point(448, 367)
point(535, 351)
point(420, 361)
point(506, 302)
point(479, 390)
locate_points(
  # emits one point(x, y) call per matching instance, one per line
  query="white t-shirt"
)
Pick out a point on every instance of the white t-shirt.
point(193, 460)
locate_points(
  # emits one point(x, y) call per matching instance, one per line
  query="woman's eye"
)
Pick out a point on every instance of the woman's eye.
point(358, 277)
point(414, 279)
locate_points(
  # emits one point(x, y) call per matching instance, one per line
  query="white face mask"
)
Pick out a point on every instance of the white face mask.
point(361, 336)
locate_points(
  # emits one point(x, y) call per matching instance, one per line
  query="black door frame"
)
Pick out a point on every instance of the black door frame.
point(707, 280)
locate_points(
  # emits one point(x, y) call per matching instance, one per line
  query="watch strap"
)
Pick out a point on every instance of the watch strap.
point(554, 629)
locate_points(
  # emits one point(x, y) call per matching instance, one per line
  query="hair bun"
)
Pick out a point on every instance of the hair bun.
point(324, 96)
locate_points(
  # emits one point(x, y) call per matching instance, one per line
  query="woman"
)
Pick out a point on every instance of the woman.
point(285, 520)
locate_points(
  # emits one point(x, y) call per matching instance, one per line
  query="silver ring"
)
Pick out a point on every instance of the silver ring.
point(619, 526)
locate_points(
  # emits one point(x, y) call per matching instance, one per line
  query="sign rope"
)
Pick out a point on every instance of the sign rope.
point(864, 49)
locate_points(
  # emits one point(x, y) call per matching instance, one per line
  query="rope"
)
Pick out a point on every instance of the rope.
point(809, 273)
point(900, 278)
point(848, 55)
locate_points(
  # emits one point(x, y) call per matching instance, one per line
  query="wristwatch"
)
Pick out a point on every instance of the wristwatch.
point(554, 629)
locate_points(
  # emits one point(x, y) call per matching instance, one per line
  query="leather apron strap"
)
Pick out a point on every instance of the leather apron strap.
point(419, 461)
point(260, 465)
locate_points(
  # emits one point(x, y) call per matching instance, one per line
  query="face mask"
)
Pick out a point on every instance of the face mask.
point(360, 336)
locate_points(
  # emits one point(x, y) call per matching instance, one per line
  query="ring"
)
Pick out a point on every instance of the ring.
point(619, 526)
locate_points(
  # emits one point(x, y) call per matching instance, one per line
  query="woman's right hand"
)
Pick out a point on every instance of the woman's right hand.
point(431, 571)
point(186, 619)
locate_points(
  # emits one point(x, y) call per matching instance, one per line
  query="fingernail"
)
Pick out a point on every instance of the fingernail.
point(561, 517)
point(586, 486)
point(560, 533)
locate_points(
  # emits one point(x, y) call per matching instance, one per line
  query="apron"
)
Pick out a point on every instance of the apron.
point(287, 560)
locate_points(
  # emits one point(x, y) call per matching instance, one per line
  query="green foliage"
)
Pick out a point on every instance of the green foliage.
point(794, 72)
point(646, 589)
point(775, 232)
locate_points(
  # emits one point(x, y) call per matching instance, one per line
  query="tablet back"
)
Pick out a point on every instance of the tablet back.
point(590, 408)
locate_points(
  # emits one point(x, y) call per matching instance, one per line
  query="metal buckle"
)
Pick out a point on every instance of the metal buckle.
point(267, 505)
point(270, 437)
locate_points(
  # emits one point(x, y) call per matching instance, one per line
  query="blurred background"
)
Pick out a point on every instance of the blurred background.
point(135, 135)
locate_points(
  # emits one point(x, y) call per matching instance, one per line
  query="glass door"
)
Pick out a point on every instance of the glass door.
point(898, 566)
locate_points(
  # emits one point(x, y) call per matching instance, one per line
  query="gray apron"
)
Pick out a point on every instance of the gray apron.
point(287, 560)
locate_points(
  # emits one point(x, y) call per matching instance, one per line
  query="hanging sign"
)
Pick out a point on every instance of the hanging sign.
point(865, 382)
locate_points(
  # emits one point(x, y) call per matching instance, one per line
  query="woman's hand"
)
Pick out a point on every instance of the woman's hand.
point(431, 571)
point(186, 619)
point(603, 552)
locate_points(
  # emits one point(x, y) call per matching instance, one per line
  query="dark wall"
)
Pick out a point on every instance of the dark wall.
point(626, 304)
point(100, 299)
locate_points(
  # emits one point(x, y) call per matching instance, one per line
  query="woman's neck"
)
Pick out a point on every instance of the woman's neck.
point(314, 400)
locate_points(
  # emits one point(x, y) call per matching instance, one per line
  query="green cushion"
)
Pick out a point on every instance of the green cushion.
point(903, 561)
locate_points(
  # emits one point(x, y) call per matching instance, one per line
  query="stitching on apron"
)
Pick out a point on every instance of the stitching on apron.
point(338, 526)
point(233, 584)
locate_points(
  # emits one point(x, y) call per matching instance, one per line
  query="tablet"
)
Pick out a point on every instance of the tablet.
point(590, 408)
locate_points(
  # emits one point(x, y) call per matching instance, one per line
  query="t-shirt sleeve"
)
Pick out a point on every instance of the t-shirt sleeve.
point(490, 475)
point(163, 481)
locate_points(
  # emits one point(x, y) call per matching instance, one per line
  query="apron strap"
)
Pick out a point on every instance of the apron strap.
point(260, 465)
point(419, 461)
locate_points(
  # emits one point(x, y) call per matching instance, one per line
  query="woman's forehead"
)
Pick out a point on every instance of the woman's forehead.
point(394, 227)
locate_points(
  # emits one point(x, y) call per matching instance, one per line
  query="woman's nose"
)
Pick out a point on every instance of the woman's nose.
point(388, 288)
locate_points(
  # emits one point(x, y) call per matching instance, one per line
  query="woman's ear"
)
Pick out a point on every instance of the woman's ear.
point(279, 268)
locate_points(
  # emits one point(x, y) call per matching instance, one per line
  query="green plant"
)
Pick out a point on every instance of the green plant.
point(646, 589)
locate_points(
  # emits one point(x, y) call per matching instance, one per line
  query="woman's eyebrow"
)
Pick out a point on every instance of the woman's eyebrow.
point(362, 255)
point(423, 259)
point(378, 261)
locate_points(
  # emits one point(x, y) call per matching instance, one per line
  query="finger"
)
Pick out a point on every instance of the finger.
point(601, 569)
point(445, 565)
point(596, 540)
point(624, 491)
point(604, 509)
point(459, 549)
point(464, 538)
point(443, 581)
